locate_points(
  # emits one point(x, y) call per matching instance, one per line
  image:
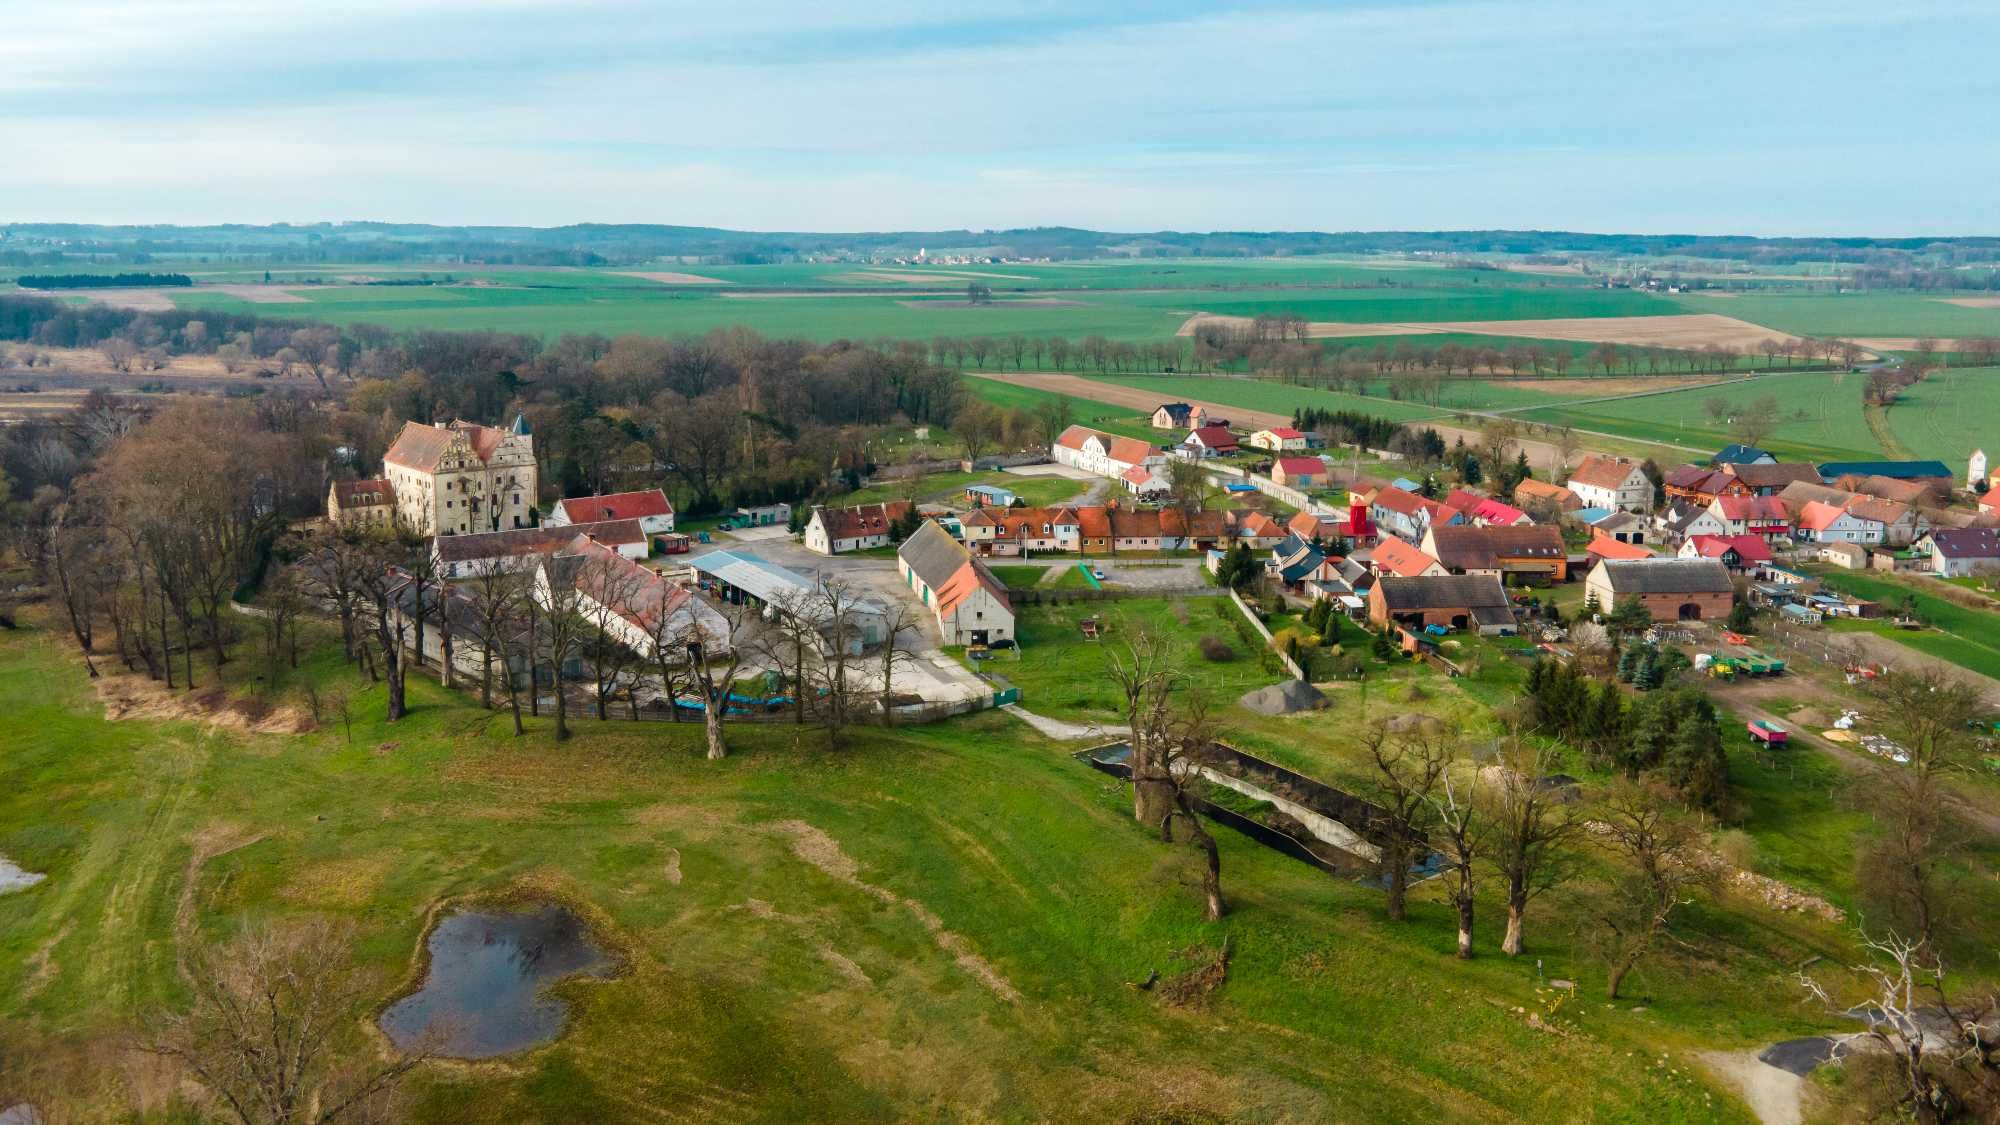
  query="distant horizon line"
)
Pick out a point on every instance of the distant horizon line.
point(1043, 228)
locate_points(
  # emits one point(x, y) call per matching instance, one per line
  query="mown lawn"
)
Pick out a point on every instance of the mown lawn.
point(161, 831)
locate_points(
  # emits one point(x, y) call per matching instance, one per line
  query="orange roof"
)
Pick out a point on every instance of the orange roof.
point(1991, 499)
point(1818, 515)
point(1076, 436)
point(1605, 547)
point(1532, 489)
point(1394, 557)
point(1130, 450)
point(1405, 503)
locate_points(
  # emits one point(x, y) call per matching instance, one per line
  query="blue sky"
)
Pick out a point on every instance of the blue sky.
point(1751, 116)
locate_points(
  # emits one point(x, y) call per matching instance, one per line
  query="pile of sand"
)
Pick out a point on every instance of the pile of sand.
point(1285, 698)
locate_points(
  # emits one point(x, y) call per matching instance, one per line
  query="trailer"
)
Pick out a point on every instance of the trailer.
point(1768, 733)
point(672, 544)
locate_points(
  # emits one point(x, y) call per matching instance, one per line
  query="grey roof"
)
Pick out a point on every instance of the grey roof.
point(1452, 591)
point(1666, 576)
point(932, 554)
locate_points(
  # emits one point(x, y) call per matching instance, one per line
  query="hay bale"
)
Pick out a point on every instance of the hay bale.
point(1285, 698)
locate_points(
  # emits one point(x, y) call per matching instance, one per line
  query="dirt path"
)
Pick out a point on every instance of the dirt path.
point(1772, 1094)
point(1054, 728)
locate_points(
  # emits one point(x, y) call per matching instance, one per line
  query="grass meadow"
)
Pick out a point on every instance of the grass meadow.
point(762, 985)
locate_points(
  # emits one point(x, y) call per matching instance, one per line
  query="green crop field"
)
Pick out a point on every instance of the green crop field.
point(1949, 414)
point(1121, 420)
point(1415, 301)
point(1850, 314)
point(1820, 416)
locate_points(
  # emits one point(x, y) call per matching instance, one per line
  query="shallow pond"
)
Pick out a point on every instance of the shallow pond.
point(488, 971)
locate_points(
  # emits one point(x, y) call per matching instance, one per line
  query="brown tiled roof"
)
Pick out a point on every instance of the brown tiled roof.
point(1603, 472)
point(363, 493)
point(1460, 547)
point(863, 520)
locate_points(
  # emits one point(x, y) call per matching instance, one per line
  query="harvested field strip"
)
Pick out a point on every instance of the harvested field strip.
point(670, 278)
point(1692, 330)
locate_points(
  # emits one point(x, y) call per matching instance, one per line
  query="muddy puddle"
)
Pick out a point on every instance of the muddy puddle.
point(485, 992)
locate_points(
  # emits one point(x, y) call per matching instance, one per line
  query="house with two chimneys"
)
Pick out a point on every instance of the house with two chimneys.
point(1614, 483)
point(832, 531)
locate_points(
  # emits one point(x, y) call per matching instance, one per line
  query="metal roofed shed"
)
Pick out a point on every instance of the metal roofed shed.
point(743, 577)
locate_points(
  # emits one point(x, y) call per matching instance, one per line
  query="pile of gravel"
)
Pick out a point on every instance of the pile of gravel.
point(1285, 698)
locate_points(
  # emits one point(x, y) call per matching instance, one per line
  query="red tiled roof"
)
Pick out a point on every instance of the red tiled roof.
point(1748, 548)
point(617, 506)
point(1991, 499)
point(1285, 433)
point(623, 586)
point(1301, 466)
point(1214, 437)
point(1494, 512)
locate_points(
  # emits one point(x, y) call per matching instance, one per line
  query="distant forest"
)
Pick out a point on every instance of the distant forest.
point(100, 280)
point(27, 245)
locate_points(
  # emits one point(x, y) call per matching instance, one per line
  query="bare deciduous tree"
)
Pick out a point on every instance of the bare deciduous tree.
point(1660, 843)
point(1533, 830)
point(1146, 678)
point(1408, 768)
point(269, 1028)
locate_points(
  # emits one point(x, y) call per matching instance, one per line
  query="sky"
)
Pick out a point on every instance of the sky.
point(1764, 117)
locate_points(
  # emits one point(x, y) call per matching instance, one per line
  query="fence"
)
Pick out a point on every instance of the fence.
point(1291, 665)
